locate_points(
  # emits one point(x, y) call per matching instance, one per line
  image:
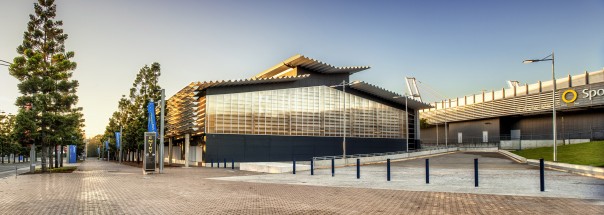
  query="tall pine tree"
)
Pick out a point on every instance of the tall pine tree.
point(47, 115)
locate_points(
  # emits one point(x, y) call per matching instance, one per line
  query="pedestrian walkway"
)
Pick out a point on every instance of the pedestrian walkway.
point(449, 173)
point(100, 187)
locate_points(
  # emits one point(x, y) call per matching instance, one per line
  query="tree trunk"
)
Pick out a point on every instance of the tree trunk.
point(61, 161)
point(43, 160)
point(50, 157)
point(56, 156)
point(138, 157)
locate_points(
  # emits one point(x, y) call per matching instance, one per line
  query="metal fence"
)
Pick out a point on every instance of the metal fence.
point(340, 160)
point(516, 141)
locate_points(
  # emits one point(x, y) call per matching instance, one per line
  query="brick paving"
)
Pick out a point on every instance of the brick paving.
point(107, 188)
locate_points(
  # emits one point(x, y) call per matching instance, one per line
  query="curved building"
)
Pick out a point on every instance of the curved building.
point(521, 116)
point(298, 109)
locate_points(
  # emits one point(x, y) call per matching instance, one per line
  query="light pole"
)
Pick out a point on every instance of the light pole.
point(121, 143)
point(407, 119)
point(343, 85)
point(553, 95)
point(2, 120)
point(161, 131)
point(5, 63)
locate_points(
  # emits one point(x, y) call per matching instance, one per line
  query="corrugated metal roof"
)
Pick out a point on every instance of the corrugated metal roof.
point(250, 81)
point(387, 95)
point(308, 63)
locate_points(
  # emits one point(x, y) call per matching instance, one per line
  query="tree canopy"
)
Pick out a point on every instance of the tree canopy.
point(48, 114)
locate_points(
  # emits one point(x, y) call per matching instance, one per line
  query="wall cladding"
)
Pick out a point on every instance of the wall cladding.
point(262, 148)
point(471, 131)
point(586, 124)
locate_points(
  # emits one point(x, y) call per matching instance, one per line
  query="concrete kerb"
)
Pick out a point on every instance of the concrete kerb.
point(513, 156)
point(282, 167)
point(321, 164)
point(596, 172)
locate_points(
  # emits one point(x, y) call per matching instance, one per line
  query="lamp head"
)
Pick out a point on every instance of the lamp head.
point(529, 61)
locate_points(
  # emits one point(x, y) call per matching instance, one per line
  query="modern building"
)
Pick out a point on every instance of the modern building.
point(521, 116)
point(296, 109)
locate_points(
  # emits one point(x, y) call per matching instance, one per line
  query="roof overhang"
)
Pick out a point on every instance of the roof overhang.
point(388, 95)
point(250, 81)
point(310, 64)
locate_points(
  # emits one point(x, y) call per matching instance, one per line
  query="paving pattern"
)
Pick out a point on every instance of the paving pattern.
point(99, 187)
point(452, 172)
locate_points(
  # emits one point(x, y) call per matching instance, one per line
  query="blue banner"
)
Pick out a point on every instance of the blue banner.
point(151, 127)
point(117, 140)
point(72, 154)
point(106, 144)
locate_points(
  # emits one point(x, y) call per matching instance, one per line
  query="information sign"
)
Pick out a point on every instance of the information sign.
point(149, 161)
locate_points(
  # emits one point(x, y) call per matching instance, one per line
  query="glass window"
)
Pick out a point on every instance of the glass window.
point(307, 111)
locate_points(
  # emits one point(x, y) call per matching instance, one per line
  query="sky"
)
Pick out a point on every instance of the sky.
point(456, 48)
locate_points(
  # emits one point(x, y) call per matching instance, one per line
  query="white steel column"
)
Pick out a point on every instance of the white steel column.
point(161, 131)
point(170, 151)
point(187, 145)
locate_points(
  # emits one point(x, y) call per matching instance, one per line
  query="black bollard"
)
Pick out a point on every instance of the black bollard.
point(475, 172)
point(218, 163)
point(333, 169)
point(388, 169)
point(427, 171)
point(312, 167)
point(294, 167)
point(232, 163)
point(358, 168)
point(541, 175)
point(225, 163)
point(212, 162)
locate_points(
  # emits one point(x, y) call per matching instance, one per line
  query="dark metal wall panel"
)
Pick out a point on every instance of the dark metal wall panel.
point(471, 131)
point(315, 79)
point(475, 128)
point(576, 124)
point(259, 148)
point(584, 124)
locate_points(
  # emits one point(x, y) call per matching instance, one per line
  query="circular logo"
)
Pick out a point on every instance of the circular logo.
point(572, 99)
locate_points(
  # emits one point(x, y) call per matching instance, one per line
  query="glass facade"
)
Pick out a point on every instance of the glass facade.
point(306, 111)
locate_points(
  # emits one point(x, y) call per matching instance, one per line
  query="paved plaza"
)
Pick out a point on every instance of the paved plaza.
point(453, 172)
point(99, 187)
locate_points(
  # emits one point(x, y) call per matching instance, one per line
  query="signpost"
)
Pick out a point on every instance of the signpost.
point(149, 159)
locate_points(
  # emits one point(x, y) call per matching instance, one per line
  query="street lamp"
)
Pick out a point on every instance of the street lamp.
point(5, 63)
point(2, 144)
point(343, 85)
point(406, 119)
point(553, 95)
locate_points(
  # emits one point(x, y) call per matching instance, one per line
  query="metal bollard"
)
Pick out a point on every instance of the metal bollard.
point(225, 163)
point(427, 171)
point(475, 172)
point(358, 168)
point(294, 167)
point(232, 163)
point(541, 175)
point(212, 162)
point(312, 165)
point(333, 169)
point(388, 169)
